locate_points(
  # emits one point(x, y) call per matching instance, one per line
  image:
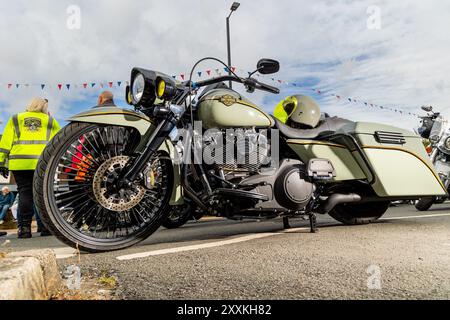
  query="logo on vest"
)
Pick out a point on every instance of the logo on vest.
point(33, 124)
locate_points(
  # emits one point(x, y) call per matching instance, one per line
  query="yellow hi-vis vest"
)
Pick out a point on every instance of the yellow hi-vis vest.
point(24, 139)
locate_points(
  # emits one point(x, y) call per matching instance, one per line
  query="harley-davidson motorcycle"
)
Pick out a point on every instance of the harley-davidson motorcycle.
point(435, 129)
point(110, 177)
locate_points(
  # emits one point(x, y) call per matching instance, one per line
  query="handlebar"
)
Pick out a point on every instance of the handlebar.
point(253, 83)
point(205, 83)
point(248, 82)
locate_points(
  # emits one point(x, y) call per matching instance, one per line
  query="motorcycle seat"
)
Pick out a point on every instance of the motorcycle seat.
point(326, 126)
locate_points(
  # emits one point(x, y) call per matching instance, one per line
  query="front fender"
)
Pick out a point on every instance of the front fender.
point(128, 118)
point(115, 116)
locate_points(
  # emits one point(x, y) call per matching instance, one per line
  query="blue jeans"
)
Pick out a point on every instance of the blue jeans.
point(4, 211)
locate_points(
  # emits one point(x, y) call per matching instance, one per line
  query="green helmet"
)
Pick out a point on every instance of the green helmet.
point(298, 111)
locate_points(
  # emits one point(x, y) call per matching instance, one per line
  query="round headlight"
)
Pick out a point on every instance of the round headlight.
point(161, 89)
point(447, 143)
point(137, 88)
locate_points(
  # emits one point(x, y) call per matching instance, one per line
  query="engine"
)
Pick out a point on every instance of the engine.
point(242, 157)
point(236, 150)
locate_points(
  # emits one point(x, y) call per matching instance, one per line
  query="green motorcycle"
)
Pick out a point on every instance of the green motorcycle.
point(109, 178)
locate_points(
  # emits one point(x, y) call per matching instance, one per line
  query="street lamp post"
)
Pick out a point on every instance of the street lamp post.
point(233, 8)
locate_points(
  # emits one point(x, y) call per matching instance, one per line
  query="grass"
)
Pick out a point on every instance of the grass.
point(107, 280)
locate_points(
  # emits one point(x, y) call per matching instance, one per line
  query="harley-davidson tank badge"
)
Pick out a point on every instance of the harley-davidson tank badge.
point(227, 100)
point(33, 124)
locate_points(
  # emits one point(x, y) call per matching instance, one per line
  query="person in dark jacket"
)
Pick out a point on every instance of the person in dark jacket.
point(105, 99)
point(6, 201)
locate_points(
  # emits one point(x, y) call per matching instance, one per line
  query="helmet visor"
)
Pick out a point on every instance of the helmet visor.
point(285, 109)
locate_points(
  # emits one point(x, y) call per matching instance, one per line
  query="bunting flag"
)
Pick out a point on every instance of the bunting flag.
point(209, 72)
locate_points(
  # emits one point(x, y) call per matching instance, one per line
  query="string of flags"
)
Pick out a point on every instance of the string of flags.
point(208, 72)
point(68, 86)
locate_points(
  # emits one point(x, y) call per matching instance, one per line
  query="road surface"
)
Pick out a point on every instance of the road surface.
point(406, 255)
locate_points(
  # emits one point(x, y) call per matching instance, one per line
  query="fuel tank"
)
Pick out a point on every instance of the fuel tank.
point(224, 108)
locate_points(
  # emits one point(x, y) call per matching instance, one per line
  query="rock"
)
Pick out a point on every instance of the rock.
point(22, 279)
point(30, 274)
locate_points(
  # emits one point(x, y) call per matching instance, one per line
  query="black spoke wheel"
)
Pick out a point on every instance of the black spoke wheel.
point(79, 195)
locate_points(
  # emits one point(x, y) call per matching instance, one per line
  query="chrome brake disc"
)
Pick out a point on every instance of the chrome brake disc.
point(119, 200)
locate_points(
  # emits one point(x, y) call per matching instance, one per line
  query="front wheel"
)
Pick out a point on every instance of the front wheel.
point(76, 188)
point(359, 213)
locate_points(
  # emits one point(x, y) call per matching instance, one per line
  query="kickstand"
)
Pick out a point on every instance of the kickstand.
point(286, 224)
point(313, 223)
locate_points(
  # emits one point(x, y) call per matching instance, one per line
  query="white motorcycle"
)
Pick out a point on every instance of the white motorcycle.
point(437, 131)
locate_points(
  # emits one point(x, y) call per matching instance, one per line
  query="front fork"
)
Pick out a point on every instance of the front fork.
point(155, 141)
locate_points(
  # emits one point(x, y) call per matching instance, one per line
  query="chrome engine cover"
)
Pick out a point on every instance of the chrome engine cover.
point(236, 150)
point(292, 188)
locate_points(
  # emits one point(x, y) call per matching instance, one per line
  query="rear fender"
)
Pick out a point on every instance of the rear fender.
point(145, 126)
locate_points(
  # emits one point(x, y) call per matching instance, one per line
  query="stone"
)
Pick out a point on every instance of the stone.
point(24, 269)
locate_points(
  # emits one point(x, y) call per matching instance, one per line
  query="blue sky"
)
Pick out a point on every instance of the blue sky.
point(403, 61)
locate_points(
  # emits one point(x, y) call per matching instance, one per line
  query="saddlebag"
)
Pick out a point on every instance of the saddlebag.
point(393, 160)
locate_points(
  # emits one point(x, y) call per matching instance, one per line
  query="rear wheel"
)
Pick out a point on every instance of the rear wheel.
point(77, 194)
point(361, 213)
point(424, 203)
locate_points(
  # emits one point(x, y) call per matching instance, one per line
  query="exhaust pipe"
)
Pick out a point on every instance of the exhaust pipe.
point(335, 199)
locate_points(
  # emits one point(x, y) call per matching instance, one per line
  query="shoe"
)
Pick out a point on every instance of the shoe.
point(3, 233)
point(2, 222)
point(24, 233)
point(45, 233)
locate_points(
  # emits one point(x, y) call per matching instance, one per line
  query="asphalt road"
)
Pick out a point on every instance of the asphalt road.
point(406, 255)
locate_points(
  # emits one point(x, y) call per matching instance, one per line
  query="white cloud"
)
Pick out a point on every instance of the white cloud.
point(403, 64)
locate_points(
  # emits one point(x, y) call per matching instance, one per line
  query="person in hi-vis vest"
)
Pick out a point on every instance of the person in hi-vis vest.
point(24, 138)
